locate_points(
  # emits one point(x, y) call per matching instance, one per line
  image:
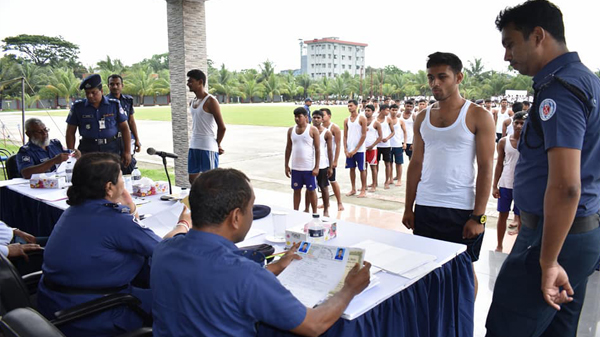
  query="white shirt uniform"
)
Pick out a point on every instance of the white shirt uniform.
point(303, 150)
point(398, 138)
point(324, 159)
point(354, 134)
point(371, 135)
point(204, 128)
point(410, 132)
point(511, 156)
point(501, 118)
point(386, 131)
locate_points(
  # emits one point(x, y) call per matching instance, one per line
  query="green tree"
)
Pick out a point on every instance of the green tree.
point(289, 87)
point(8, 71)
point(421, 82)
point(249, 86)
point(62, 83)
point(225, 84)
point(109, 65)
point(34, 76)
point(272, 86)
point(41, 49)
point(267, 68)
point(339, 87)
point(140, 82)
point(475, 69)
point(304, 81)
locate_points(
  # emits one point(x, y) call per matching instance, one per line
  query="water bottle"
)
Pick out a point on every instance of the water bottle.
point(69, 170)
point(316, 230)
point(136, 175)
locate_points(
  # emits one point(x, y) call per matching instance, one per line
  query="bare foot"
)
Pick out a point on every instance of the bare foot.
point(370, 185)
point(386, 186)
point(320, 206)
point(326, 214)
point(398, 184)
point(363, 194)
point(499, 249)
point(351, 193)
point(306, 210)
point(395, 178)
point(340, 207)
point(372, 189)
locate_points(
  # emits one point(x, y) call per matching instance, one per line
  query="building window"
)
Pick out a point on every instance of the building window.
point(312, 47)
point(350, 58)
point(343, 57)
point(343, 48)
point(329, 55)
point(335, 65)
point(343, 66)
point(329, 46)
point(335, 57)
point(329, 65)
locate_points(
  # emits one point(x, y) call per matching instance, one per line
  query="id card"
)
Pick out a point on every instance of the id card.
point(102, 124)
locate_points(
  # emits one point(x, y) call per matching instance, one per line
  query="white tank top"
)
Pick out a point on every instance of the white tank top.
point(354, 134)
point(501, 118)
point(332, 139)
point(371, 135)
point(324, 159)
point(398, 138)
point(303, 150)
point(385, 132)
point(509, 129)
point(204, 128)
point(409, 124)
point(511, 156)
point(448, 174)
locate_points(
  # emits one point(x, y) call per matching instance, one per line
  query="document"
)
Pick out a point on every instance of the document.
point(396, 260)
point(164, 221)
point(321, 271)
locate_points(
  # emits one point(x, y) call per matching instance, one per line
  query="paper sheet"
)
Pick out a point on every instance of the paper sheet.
point(393, 259)
point(164, 221)
point(54, 195)
point(14, 181)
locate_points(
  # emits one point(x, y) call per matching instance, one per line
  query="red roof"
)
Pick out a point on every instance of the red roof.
point(336, 41)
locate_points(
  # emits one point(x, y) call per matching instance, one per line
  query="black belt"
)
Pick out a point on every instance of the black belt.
point(82, 291)
point(580, 225)
point(99, 141)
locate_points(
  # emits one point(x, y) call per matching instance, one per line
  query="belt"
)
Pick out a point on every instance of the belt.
point(580, 224)
point(82, 291)
point(99, 141)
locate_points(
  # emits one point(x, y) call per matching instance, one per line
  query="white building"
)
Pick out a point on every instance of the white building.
point(330, 57)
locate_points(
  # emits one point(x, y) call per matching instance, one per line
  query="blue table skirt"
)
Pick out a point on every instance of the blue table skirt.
point(27, 214)
point(441, 304)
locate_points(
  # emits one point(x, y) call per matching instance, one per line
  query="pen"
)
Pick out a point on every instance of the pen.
point(274, 255)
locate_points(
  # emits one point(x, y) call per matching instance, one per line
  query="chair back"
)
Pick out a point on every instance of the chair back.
point(13, 292)
point(26, 322)
point(12, 170)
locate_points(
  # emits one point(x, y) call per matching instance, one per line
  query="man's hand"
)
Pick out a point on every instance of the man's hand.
point(277, 267)
point(24, 235)
point(408, 219)
point(186, 215)
point(315, 171)
point(17, 249)
point(137, 145)
point(496, 192)
point(347, 154)
point(403, 146)
point(59, 158)
point(288, 172)
point(221, 151)
point(76, 154)
point(334, 166)
point(553, 278)
point(358, 278)
point(126, 157)
point(472, 229)
point(329, 172)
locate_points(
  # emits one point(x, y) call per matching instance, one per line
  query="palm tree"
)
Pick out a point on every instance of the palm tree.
point(34, 76)
point(421, 82)
point(304, 81)
point(140, 82)
point(475, 69)
point(113, 66)
point(8, 70)
point(495, 84)
point(226, 84)
point(249, 86)
point(389, 89)
point(289, 86)
point(63, 83)
point(267, 69)
point(521, 82)
point(339, 87)
point(272, 86)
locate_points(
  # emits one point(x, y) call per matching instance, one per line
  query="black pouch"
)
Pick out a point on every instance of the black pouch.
point(257, 253)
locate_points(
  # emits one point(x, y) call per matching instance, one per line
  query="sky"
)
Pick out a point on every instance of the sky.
point(242, 33)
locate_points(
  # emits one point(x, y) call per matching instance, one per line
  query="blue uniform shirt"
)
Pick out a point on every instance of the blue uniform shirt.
point(565, 123)
point(31, 154)
point(201, 287)
point(87, 118)
point(127, 105)
point(97, 244)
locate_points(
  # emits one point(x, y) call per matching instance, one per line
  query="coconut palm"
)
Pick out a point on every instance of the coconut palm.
point(267, 68)
point(304, 81)
point(249, 86)
point(63, 83)
point(272, 86)
point(289, 86)
point(140, 82)
point(339, 87)
point(226, 84)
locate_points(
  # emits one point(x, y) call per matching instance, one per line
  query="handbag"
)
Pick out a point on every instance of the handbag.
point(257, 253)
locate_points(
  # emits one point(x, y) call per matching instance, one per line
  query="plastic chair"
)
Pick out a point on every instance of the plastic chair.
point(11, 167)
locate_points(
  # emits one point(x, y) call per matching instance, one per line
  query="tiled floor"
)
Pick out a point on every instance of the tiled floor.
point(486, 268)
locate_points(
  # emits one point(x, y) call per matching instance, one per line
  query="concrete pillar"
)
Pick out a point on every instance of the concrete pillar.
point(187, 50)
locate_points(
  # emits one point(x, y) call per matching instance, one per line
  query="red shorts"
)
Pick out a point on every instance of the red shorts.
point(372, 157)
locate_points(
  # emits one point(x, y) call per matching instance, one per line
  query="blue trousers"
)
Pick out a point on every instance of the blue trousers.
point(518, 308)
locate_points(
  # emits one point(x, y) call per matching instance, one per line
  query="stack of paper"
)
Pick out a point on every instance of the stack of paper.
point(396, 260)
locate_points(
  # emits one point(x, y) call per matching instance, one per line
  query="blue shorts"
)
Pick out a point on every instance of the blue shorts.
point(358, 160)
point(397, 155)
point(446, 224)
point(506, 198)
point(303, 178)
point(202, 160)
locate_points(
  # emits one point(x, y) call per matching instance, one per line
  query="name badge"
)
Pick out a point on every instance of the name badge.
point(102, 124)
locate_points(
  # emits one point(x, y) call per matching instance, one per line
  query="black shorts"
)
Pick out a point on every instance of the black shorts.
point(322, 180)
point(332, 178)
point(385, 154)
point(446, 224)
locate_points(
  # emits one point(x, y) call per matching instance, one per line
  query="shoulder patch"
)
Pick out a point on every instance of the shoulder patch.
point(26, 159)
point(547, 109)
point(114, 100)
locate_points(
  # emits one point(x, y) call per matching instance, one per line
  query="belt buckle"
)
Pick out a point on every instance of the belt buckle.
point(100, 141)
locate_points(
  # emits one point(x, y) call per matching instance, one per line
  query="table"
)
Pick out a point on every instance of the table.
point(440, 303)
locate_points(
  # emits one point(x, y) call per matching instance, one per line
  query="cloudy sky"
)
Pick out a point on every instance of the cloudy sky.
point(243, 33)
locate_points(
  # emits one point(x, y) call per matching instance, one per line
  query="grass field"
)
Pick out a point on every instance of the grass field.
point(241, 114)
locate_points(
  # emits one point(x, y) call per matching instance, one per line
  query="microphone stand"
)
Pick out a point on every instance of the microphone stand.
point(167, 172)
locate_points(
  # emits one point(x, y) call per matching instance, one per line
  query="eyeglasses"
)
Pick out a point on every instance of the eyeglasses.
point(42, 131)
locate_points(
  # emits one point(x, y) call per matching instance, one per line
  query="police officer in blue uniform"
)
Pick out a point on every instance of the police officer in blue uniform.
point(98, 247)
point(115, 85)
point(101, 122)
point(557, 181)
point(40, 154)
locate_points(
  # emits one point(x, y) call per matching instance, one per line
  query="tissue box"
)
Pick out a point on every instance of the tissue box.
point(144, 190)
point(296, 234)
point(44, 181)
point(161, 187)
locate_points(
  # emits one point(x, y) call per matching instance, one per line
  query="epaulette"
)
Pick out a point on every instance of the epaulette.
point(114, 100)
point(128, 97)
point(117, 207)
point(79, 101)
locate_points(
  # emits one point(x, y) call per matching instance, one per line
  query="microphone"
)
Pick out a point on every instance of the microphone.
point(151, 151)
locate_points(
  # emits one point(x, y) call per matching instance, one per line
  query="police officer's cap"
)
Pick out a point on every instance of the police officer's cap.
point(92, 81)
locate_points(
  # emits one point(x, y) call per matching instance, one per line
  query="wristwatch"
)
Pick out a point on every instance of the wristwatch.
point(480, 219)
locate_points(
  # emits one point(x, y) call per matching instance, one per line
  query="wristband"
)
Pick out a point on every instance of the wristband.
point(184, 226)
point(184, 223)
